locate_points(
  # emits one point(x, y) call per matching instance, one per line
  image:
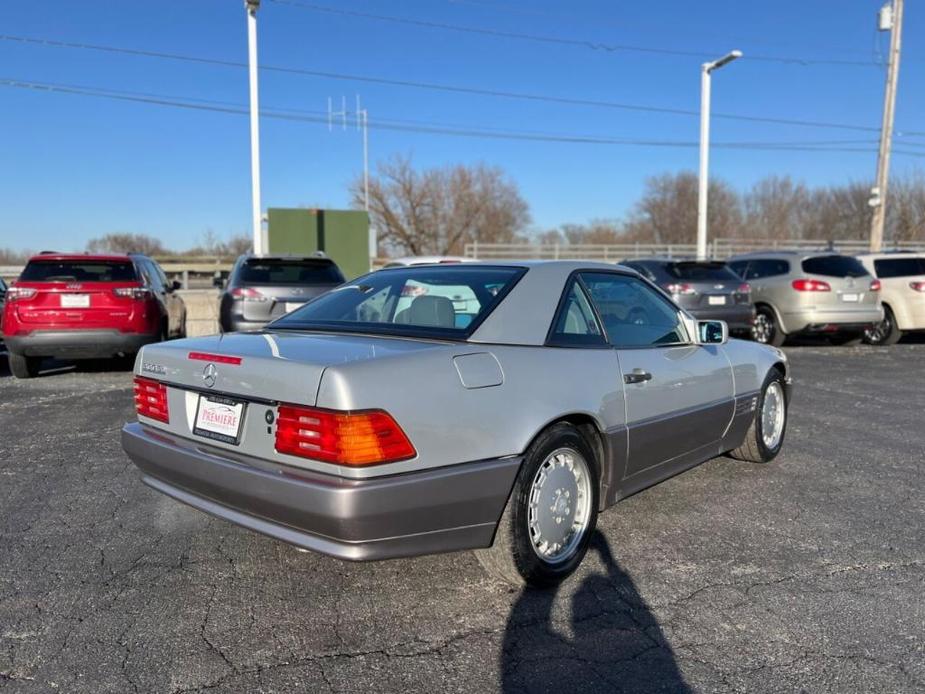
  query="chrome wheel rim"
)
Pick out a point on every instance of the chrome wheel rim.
point(762, 328)
point(773, 412)
point(878, 333)
point(559, 506)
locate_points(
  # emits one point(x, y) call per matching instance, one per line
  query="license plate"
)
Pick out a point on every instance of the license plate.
point(75, 301)
point(219, 418)
point(293, 306)
point(716, 300)
point(850, 297)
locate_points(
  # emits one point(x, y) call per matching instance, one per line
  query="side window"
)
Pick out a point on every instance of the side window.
point(633, 313)
point(739, 267)
point(575, 323)
point(769, 267)
point(152, 276)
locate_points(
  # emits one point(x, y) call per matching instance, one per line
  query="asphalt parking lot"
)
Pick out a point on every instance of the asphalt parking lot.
point(805, 574)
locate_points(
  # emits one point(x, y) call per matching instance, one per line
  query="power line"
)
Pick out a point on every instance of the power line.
point(561, 41)
point(320, 117)
point(442, 87)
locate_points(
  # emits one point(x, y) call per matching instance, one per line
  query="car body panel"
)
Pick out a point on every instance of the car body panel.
point(906, 303)
point(466, 406)
point(809, 311)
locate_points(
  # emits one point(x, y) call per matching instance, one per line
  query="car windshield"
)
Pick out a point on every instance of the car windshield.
point(79, 271)
point(296, 271)
point(834, 266)
point(702, 272)
point(448, 301)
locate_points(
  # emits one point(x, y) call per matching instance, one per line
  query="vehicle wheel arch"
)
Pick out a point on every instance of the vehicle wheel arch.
point(773, 309)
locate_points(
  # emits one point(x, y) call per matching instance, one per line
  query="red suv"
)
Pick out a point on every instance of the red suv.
point(88, 306)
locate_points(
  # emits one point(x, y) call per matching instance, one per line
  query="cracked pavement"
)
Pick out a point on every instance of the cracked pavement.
point(805, 574)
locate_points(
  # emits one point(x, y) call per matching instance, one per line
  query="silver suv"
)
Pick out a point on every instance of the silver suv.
point(902, 291)
point(802, 292)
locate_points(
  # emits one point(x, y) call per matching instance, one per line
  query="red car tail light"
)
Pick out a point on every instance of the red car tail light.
point(875, 285)
point(248, 294)
point(917, 286)
point(133, 292)
point(217, 358)
point(344, 438)
point(20, 293)
point(811, 286)
point(151, 399)
point(682, 289)
point(744, 288)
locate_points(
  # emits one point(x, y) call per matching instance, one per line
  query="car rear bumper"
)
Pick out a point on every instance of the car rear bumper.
point(78, 344)
point(434, 510)
point(841, 320)
point(738, 317)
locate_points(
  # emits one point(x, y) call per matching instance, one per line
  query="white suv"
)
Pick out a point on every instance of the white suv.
point(902, 291)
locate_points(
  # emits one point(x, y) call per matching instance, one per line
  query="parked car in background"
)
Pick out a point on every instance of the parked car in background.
point(902, 292)
point(800, 292)
point(263, 288)
point(2, 302)
point(88, 306)
point(426, 260)
point(360, 429)
point(707, 289)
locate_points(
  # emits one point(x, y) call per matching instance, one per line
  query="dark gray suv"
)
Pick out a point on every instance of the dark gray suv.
point(263, 288)
point(706, 289)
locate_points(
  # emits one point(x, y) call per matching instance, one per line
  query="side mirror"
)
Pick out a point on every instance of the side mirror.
point(712, 332)
point(175, 285)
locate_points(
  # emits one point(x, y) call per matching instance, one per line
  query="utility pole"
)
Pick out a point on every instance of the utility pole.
point(703, 182)
point(890, 19)
point(259, 245)
point(362, 124)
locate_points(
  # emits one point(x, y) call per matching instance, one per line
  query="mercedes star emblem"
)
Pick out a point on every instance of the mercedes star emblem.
point(209, 374)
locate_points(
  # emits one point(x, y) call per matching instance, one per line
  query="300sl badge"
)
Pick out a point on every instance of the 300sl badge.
point(149, 367)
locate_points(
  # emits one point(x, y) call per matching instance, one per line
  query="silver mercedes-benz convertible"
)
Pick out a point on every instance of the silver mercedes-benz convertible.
point(496, 407)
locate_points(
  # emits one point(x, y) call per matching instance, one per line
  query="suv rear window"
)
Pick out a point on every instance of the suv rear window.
point(701, 272)
point(79, 271)
point(834, 266)
point(899, 267)
point(270, 272)
point(449, 301)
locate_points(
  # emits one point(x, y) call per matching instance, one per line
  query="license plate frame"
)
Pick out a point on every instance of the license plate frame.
point(716, 300)
point(852, 297)
point(219, 432)
point(75, 301)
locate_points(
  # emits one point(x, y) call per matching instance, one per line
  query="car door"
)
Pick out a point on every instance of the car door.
point(679, 395)
point(175, 305)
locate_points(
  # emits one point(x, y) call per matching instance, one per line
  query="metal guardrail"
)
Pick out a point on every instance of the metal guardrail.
point(719, 249)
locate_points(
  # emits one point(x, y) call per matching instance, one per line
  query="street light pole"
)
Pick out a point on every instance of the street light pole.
point(703, 181)
point(252, 6)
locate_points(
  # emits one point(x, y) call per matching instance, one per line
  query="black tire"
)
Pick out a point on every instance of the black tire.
point(754, 449)
point(22, 366)
point(512, 557)
point(766, 329)
point(884, 333)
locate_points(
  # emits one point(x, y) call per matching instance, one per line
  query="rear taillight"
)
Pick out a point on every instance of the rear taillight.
point(344, 438)
point(744, 288)
point(917, 286)
point(132, 292)
point(680, 289)
point(248, 294)
point(20, 293)
point(151, 399)
point(875, 285)
point(811, 286)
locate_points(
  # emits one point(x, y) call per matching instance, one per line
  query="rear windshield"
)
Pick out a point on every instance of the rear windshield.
point(79, 271)
point(275, 272)
point(899, 267)
point(447, 301)
point(834, 266)
point(702, 272)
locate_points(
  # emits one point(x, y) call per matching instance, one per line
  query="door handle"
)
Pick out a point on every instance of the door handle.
point(637, 376)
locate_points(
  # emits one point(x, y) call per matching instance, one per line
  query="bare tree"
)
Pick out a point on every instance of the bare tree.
point(126, 243)
point(667, 211)
point(438, 211)
point(776, 208)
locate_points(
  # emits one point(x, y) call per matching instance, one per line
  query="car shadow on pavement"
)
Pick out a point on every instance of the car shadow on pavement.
point(597, 637)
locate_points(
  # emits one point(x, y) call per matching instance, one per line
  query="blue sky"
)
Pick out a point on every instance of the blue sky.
point(77, 166)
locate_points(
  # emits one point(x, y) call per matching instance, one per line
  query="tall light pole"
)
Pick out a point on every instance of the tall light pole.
point(891, 19)
point(705, 71)
point(252, 6)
